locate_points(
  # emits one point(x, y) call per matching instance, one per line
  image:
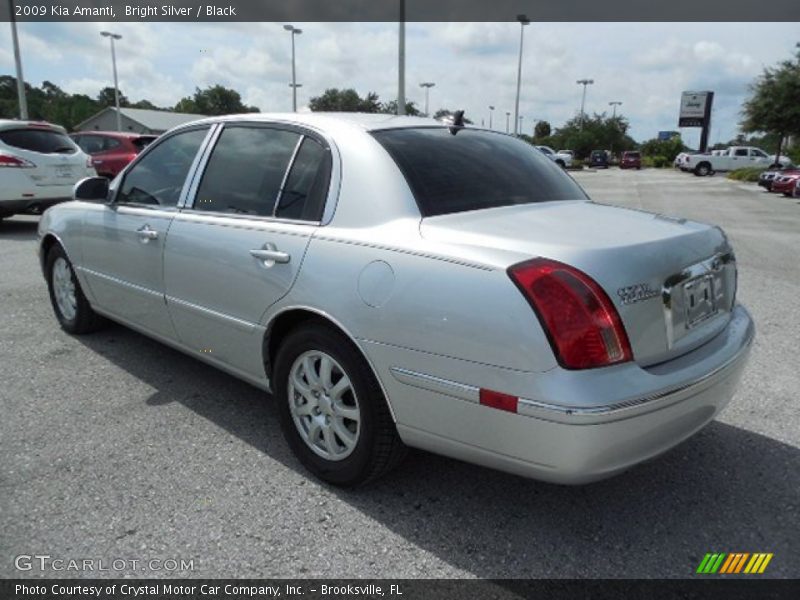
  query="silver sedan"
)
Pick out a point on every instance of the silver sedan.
point(396, 282)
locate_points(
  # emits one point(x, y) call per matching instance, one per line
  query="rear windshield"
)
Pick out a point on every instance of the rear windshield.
point(474, 169)
point(143, 142)
point(632, 154)
point(46, 141)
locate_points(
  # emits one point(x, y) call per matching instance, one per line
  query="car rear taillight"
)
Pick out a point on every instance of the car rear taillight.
point(15, 162)
point(89, 163)
point(580, 321)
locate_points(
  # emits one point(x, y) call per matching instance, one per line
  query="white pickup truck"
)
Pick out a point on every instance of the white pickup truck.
point(734, 157)
point(563, 158)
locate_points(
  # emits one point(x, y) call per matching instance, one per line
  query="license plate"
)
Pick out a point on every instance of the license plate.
point(699, 300)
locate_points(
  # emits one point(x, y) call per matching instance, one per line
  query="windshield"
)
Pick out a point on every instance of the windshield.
point(474, 170)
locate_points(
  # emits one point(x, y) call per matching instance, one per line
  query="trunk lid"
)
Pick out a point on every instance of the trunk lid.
point(673, 281)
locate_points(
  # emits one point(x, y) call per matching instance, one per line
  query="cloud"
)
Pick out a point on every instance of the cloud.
point(474, 65)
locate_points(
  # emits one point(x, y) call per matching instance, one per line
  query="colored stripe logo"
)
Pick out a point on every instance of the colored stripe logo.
point(733, 563)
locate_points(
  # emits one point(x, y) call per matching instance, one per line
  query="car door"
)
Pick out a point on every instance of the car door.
point(237, 246)
point(123, 240)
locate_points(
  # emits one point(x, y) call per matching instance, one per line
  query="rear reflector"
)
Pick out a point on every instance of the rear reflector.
point(580, 321)
point(498, 400)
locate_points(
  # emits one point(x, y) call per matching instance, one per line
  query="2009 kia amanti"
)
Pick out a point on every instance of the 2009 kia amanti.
point(397, 281)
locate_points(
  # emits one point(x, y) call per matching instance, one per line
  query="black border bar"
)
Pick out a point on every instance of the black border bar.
point(706, 588)
point(389, 10)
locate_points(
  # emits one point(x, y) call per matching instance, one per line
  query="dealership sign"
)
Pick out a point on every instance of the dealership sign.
point(695, 109)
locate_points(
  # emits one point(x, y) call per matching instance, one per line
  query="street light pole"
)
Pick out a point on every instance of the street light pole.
point(520, 124)
point(294, 85)
point(508, 116)
point(23, 102)
point(614, 104)
point(401, 67)
point(112, 37)
point(584, 83)
point(427, 85)
point(491, 110)
point(523, 21)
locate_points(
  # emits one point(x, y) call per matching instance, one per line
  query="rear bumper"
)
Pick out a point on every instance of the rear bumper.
point(572, 444)
point(29, 206)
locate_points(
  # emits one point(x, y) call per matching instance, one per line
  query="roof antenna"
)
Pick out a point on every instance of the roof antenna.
point(458, 122)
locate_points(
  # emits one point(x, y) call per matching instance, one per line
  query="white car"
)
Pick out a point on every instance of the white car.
point(39, 165)
point(562, 158)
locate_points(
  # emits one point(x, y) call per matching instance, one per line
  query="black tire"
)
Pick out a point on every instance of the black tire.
point(702, 170)
point(378, 448)
point(85, 319)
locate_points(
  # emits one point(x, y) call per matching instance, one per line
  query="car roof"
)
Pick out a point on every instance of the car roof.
point(6, 124)
point(323, 120)
point(117, 134)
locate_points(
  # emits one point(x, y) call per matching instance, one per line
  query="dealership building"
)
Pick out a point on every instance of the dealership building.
point(136, 120)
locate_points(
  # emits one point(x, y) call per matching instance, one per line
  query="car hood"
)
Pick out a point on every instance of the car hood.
point(618, 247)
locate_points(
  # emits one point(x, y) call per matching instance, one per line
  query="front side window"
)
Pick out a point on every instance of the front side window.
point(474, 170)
point(158, 178)
point(246, 170)
point(758, 153)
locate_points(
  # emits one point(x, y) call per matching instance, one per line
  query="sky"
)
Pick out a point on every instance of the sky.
point(646, 66)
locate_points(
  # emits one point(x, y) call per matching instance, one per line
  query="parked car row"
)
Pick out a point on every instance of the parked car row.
point(780, 181)
point(40, 163)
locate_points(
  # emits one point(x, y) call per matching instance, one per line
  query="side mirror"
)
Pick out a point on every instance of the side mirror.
point(93, 189)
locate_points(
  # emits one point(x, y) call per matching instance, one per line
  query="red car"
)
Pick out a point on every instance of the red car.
point(631, 160)
point(785, 182)
point(111, 151)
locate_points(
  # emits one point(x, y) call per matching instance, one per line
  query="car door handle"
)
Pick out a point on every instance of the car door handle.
point(270, 255)
point(146, 233)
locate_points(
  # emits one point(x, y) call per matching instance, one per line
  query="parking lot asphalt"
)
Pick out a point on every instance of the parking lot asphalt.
point(114, 446)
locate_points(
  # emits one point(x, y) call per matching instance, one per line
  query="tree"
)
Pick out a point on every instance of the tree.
point(542, 129)
point(146, 104)
point(669, 149)
point(214, 100)
point(106, 97)
point(597, 132)
point(773, 106)
point(336, 100)
point(391, 108)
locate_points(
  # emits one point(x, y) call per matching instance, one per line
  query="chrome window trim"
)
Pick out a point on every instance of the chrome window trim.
point(258, 218)
point(286, 174)
point(198, 165)
point(304, 130)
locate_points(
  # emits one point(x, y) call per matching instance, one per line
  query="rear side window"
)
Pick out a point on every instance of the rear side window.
point(303, 195)
point(474, 170)
point(246, 170)
point(45, 141)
